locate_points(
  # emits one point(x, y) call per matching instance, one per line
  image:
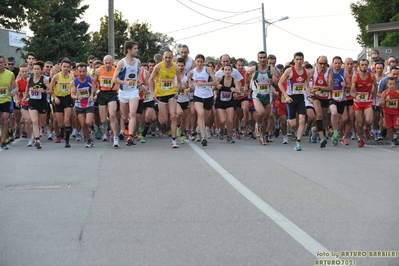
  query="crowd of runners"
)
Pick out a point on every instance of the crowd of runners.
point(194, 99)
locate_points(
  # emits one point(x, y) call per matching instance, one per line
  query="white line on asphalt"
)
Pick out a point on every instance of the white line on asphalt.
point(294, 231)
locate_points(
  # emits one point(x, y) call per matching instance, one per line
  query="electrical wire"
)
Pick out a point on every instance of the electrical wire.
point(241, 12)
point(219, 20)
point(204, 33)
point(314, 41)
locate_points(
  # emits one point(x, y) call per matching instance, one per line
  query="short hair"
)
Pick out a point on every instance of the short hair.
point(375, 51)
point(308, 66)
point(228, 65)
point(181, 60)
point(224, 55)
point(185, 47)
point(129, 45)
point(90, 57)
point(362, 60)
point(261, 52)
point(200, 56)
point(379, 63)
point(300, 54)
point(240, 60)
point(23, 65)
point(391, 78)
point(48, 62)
point(337, 57)
point(280, 66)
point(151, 61)
point(39, 63)
point(67, 61)
point(157, 57)
point(271, 56)
point(394, 68)
point(80, 65)
point(31, 54)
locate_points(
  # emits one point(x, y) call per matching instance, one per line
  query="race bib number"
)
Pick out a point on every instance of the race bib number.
point(147, 96)
point(348, 92)
point(337, 95)
point(264, 88)
point(34, 94)
point(3, 92)
point(364, 96)
point(298, 89)
point(182, 91)
point(64, 87)
point(283, 100)
point(322, 93)
point(167, 84)
point(393, 103)
point(225, 96)
point(84, 92)
point(106, 82)
point(133, 84)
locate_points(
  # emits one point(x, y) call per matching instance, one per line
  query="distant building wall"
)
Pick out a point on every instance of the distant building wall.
point(11, 44)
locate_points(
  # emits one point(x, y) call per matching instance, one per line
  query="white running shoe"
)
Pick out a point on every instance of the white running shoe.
point(174, 144)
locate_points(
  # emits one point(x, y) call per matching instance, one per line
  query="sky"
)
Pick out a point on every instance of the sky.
point(213, 28)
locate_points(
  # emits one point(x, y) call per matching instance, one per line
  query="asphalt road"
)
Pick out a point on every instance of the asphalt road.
point(224, 204)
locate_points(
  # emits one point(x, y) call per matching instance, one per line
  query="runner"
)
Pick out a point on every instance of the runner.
point(348, 117)
point(377, 119)
point(261, 94)
point(363, 90)
point(127, 75)
point(227, 92)
point(202, 78)
point(61, 84)
point(22, 85)
point(164, 91)
point(338, 96)
point(183, 112)
point(323, 81)
point(107, 97)
point(298, 79)
point(242, 110)
point(7, 80)
point(37, 90)
point(389, 103)
point(82, 93)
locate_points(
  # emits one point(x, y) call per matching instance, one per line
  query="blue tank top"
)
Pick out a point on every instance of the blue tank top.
point(83, 89)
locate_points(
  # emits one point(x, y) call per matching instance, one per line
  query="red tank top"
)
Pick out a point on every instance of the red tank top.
point(297, 82)
point(364, 87)
point(22, 84)
point(391, 106)
point(320, 80)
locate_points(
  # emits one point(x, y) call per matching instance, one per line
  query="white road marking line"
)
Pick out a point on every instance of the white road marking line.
point(294, 231)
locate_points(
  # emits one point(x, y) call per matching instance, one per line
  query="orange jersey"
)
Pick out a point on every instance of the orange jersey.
point(105, 79)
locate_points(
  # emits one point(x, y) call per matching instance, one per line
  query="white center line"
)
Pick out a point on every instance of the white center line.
point(294, 231)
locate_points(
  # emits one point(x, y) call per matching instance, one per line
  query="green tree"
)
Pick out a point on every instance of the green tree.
point(392, 38)
point(14, 13)
point(149, 42)
point(57, 33)
point(373, 12)
point(98, 45)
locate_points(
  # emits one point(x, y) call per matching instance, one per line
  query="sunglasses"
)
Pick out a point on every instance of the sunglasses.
point(323, 64)
point(10, 64)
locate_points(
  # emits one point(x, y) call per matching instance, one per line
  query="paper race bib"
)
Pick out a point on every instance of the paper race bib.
point(393, 103)
point(64, 87)
point(364, 96)
point(322, 93)
point(348, 92)
point(225, 96)
point(3, 92)
point(106, 82)
point(263, 88)
point(283, 100)
point(337, 95)
point(298, 89)
point(34, 94)
point(83, 92)
point(167, 84)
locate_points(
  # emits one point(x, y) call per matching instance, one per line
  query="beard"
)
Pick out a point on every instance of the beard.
point(363, 70)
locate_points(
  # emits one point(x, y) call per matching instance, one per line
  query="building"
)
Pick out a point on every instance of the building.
point(11, 44)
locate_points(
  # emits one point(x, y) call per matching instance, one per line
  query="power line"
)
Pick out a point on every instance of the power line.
point(216, 30)
point(218, 9)
point(219, 20)
point(315, 42)
point(321, 16)
point(190, 27)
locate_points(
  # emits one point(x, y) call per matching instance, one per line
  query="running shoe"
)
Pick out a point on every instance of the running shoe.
point(285, 140)
point(307, 129)
point(4, 146)
point(204, 142)
point(50, 135)
point(38, 145)
point(24, 135)
point(30, 142)
point(335, 138)
point(73, 135)
point(116, 142)
point(208, 133)
point(17, 134)
point(198, 137)
point(121, 136)
point(277, 132)
point(392, 144)
point(313, 138)
point(181, 140)
point(217, 132)
point(230, 140)
point(344, 141)
point(141, 128)
point(360, 143)
point(130, 141)
point(221, 136)
point(379, 136)
point(297, 147)
point(323, 143)
point(67, 145)
point(58, 139)
point(79, 136)
point(89, 144)
point(367, 133)
point(270, 138)
point(104, 138)
point(174, 144)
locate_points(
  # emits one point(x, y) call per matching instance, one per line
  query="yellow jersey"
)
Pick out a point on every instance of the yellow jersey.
point(63, 87)
point(5, 85)
point(165, 80)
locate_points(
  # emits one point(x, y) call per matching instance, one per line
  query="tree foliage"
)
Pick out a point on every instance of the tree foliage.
point(14, 13)
point(57, 33)
point(98, 45)
point(392, 38)
point(373, 12)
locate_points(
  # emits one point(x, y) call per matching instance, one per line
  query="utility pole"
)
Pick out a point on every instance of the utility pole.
point(111, 30)
point(264, 28)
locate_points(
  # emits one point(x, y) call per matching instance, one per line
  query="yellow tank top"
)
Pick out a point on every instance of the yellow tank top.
point(165, 80)
point(63, 87)
point(5, 84)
